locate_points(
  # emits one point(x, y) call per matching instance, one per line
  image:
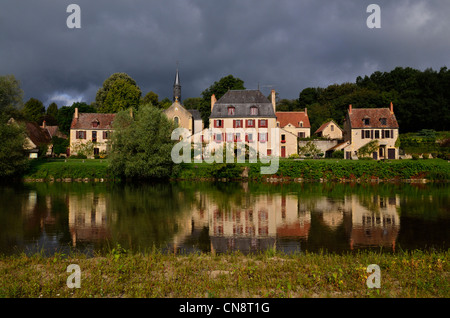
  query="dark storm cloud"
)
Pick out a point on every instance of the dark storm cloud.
point(287, 44)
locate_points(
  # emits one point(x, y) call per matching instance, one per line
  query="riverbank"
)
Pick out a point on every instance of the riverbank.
point(268, 275)
point(325, 170)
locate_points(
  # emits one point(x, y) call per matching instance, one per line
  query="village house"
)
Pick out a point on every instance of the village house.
point(329, 130)
point(35, 139)
point(183, 118)
point(90, 132)
point(364, 125)
point(293, 125)
point(249, 110)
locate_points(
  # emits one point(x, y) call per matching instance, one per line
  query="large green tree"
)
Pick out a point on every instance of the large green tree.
point(34, 110)
point(141, 145)
point(118, 92)
point(11, 94)
point(219, 88)
point(13, 160)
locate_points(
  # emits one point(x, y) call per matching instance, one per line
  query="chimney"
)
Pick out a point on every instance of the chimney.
point(350, 108)
point(306, 111)
point(76, 113)
point(392, 108)
point(213, 101)
point(43, 124)
point(274, 103)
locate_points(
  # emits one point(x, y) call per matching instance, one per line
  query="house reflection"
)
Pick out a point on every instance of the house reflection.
point(88, 220)
point(286, 222)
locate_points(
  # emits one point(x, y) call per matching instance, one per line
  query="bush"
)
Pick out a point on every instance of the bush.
point(415, 156)
point(338, 154)
point(425, 155)
point(294, 156)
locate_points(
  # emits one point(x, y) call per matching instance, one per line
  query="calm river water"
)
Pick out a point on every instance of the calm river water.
point(221, 217)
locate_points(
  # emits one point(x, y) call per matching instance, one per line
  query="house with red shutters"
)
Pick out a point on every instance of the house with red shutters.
point(364, 125)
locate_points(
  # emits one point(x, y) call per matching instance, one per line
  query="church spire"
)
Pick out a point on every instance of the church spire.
point(177, 87)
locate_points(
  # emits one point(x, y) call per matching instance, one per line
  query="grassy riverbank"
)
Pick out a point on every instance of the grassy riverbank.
point(270, 274)
point(330, 170)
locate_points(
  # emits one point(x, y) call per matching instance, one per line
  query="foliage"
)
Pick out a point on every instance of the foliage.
point(338, 154)
point(368, 149)
point(13, 159)
point(151, 98)
point(10, 93)
point(119, 92)
point(34, 110)
point(310, 149)
point(60, 145)
point(141, 146)
point(83, 148)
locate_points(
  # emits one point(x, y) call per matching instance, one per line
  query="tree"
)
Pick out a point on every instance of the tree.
point(119, 92)
point(192, 102)
point(218, 89)
point(52, 110)
point(13, 160)
point(141, 146)
point(10, 93)
point(34, 110)
point(151, 98)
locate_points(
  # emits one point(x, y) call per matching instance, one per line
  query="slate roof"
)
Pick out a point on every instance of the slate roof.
point(243, 100)
point(293, 118)
point(195, 114)
point(85, 121)
point(357, 115)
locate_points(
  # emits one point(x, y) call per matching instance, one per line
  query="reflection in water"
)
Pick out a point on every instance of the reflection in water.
point(218, 218)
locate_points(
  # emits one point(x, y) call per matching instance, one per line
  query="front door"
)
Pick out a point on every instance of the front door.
point(283, 152)
point(375, 155)
point(391, 153)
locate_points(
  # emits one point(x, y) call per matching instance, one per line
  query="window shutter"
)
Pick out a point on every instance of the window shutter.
point(382, 133)
point(234, 123)
point(362, 134)
point(392, 133)
point(371, 134)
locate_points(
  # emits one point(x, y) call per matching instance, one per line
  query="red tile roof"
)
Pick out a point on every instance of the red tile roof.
point(85, 121)
point(356, 116)
point(293, 118)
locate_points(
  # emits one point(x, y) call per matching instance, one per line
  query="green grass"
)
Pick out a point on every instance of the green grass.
point(328, 169)
point(270, 274)
point(70, 168)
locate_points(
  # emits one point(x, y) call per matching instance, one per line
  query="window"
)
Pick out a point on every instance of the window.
point(237, 123)
point(262, 137)
point(218, 123)
point(283, 138)
point(96, 151)
point(386, 134)
point(95, 124)
point(229, 137)
point(366, 121)
point(377, 134)
point(367, 134)
point(80, 135)
point(237, 137)
point(383, 121)
point(250, 123)
point(218, 137)
point(249, 137)
point(262, 123)
point(300, 124)
point(301, 135)
point(106, 135)
point(332, 127)
point(254, 111)
point(231, 110)
point(94, 136)
point(176, 120)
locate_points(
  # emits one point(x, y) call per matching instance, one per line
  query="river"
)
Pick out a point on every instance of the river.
point(189, 217)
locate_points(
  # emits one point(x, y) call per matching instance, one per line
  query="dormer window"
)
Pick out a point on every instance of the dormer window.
point(231, 110)
point(366, 121)
point(383, 121)
point(254, 111)
point(95, 123)
point(300, 124)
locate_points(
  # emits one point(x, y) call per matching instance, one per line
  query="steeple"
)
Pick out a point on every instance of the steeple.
point(177, 87)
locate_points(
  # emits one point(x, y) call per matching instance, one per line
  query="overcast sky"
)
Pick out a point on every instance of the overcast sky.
point(287, 45)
